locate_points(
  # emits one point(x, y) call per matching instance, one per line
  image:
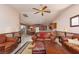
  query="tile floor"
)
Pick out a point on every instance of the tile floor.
point(28, 49)
point(24, 40)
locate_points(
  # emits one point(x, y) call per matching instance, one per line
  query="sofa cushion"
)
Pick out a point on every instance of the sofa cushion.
point(73, 41)
point(9, 44)
point(2, 38)
point(10, 39)
point(42, 35)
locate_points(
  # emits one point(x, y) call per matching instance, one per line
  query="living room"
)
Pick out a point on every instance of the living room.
point(39, 28)
point(60, 22)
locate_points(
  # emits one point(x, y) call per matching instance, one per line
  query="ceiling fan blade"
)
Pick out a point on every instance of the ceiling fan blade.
point(36, 9)
point(44, 7)
point(48, 11)
point(36, 12)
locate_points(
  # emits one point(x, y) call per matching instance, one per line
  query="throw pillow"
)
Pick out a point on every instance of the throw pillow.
point(2, 38)
point(73, 41)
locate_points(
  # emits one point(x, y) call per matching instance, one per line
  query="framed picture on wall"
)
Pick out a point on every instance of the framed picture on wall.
point(74, 21)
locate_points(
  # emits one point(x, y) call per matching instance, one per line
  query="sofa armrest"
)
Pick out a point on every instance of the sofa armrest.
point(2, 49)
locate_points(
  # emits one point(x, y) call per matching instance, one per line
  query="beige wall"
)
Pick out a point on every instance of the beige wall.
point(9, 19)
point(63, 21)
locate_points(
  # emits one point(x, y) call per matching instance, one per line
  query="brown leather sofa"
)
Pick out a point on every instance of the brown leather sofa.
point(7, 44)
point(72, 48)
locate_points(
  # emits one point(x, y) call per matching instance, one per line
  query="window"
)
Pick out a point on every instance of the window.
point(37, 29)
point(74, 21)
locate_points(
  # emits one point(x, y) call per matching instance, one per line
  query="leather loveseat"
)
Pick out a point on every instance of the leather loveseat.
point(72, 48)
point(7, 44)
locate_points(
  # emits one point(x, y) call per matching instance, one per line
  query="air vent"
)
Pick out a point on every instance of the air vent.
point(25, 15)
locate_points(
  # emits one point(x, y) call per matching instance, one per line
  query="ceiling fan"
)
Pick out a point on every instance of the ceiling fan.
point(42, 10)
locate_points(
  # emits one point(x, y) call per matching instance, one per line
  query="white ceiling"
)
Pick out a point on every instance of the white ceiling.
point(37, 18)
